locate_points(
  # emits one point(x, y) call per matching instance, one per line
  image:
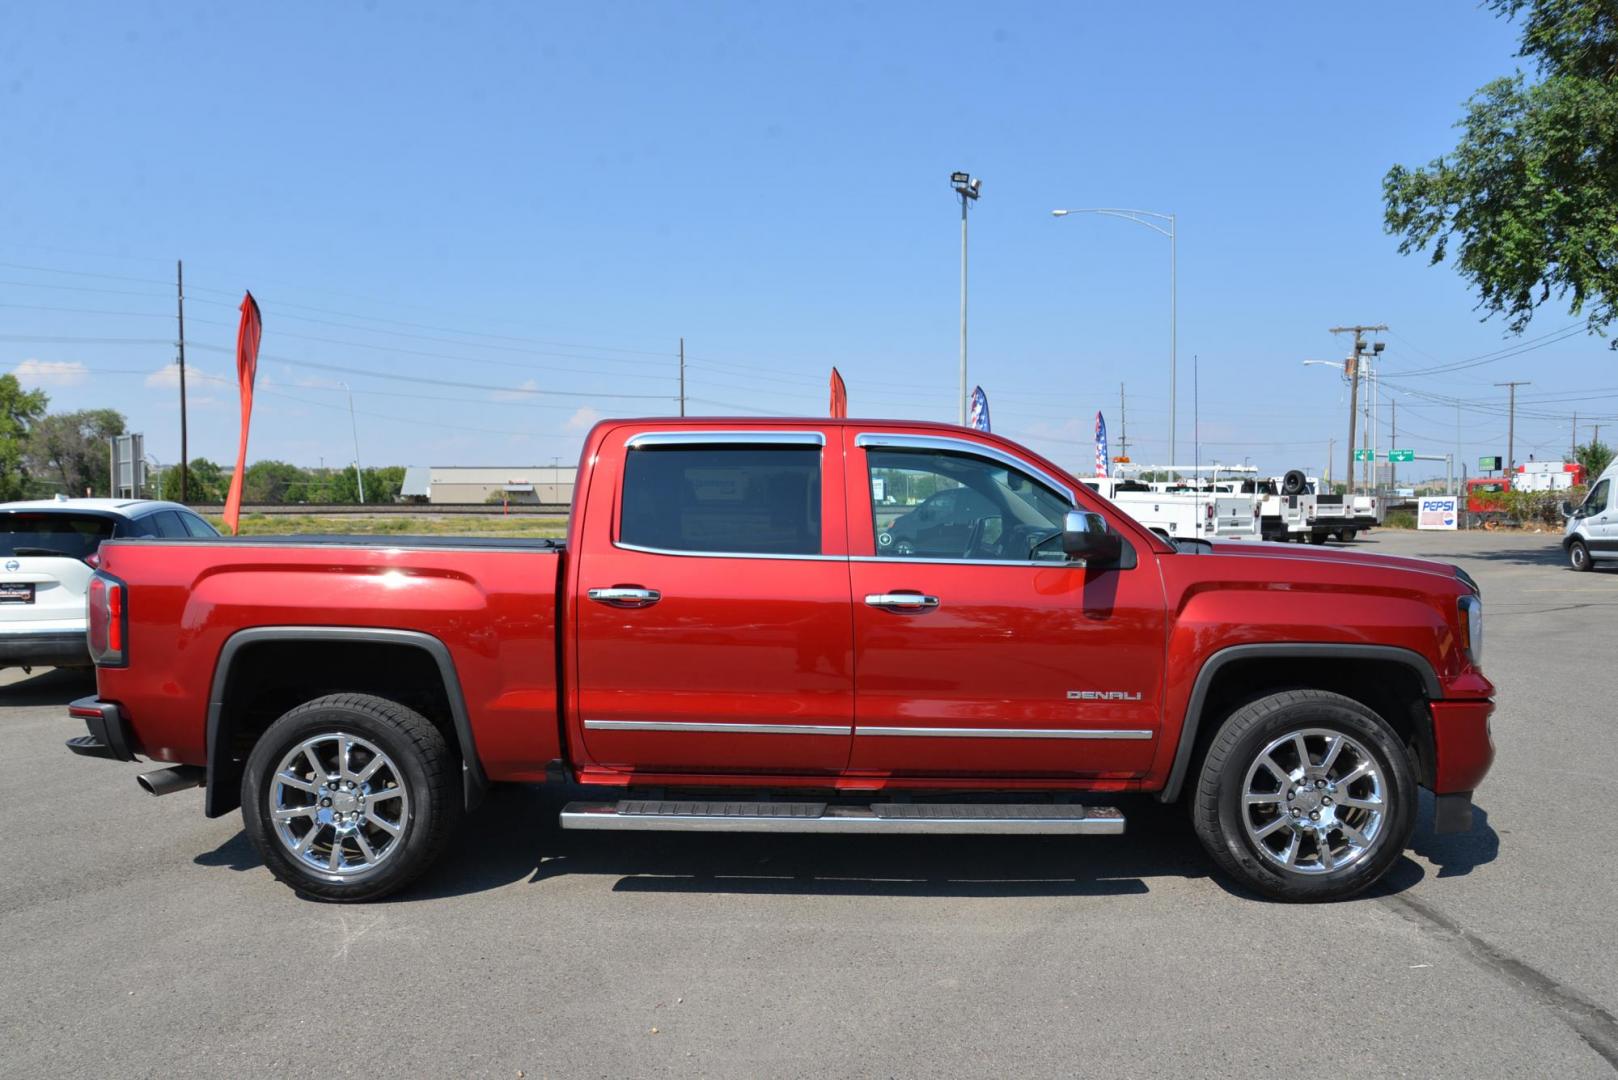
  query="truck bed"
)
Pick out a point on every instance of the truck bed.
point(488, 605)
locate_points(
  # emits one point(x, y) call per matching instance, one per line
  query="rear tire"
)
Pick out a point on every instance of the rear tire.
point(1309, 824)
point(350, 797)
point(1578, 556)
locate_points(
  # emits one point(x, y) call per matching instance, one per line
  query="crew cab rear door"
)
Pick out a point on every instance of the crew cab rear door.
point(713, 630)
point(998, 658)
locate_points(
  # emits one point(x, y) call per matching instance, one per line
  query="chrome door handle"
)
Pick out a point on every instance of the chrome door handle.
point(625, 596)
point(902, 601)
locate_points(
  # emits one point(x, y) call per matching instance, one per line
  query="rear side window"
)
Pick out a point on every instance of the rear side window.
point(743, 500)
point(195, 526)
point(74, 536)
point(168, 524)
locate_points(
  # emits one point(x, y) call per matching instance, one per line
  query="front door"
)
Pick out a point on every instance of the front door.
point(714, 633)
point(1602, 519)
point(997, 657)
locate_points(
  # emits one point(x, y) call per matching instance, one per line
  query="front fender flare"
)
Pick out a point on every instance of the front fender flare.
point(1280, 651)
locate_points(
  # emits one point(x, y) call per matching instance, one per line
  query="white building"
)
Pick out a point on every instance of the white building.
point(439, 484)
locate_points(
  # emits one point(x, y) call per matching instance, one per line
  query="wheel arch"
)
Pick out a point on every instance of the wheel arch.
point(1293, 665)
point(225, 764)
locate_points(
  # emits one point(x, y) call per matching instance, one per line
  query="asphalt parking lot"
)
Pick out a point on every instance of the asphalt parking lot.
point(142, 939)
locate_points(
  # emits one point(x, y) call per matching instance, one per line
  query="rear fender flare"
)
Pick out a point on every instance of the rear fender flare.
point(1199, 691)
point(218, 801)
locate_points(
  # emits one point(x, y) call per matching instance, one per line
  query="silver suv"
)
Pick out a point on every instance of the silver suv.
point(47, 554)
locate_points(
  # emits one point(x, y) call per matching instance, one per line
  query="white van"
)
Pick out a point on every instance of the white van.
point(1592, 526)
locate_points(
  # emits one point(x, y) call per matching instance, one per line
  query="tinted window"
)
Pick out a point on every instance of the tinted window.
point(1596, 501)
point(195, 526)
point(72, 535)
point(168, 524)
point(940, 505)
point(744, 500)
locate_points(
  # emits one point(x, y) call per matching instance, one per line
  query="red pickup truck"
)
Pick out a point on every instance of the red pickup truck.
point(732, 638)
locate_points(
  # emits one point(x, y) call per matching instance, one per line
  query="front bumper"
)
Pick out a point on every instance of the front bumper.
point(1463, 750)
point(108, 732)
point(47, 648)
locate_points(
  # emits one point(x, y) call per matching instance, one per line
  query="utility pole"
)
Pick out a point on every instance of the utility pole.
point(968, 189)
point(1573, 451)
point(1511, 426)
point(1331, 452)
point(682, 376)
point(1393, 441)
point(179, 288)
point(1352, 369)
point(1123, 424)
point(359, 477)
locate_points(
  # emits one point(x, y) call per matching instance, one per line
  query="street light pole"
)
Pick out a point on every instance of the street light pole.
point(359, 477)
point(968, 190)
point(1139, 217)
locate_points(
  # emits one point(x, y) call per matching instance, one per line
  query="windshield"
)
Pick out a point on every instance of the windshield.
point(73, 536)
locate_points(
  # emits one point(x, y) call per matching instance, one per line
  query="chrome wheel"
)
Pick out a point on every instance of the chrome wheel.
point(1314, 801)
point(338, 804)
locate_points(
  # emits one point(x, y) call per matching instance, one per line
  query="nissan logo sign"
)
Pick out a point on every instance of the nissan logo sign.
point(13, 564)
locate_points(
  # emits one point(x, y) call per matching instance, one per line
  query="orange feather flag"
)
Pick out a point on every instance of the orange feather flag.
point(247, 339)
point(839, 396)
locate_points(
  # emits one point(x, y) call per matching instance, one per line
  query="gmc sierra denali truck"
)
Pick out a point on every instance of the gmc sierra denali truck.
point(731, 639)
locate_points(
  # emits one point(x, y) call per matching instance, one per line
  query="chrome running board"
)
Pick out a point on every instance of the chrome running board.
point(686, 815)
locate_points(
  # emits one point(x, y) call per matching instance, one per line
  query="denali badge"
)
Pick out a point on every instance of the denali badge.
point(1101, 695)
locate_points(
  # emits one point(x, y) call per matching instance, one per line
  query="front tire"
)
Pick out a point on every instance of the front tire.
point(1578, 556)
point(1305, 795)
point(350, 797)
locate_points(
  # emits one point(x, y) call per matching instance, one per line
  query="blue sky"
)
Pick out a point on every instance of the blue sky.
point(536, 201)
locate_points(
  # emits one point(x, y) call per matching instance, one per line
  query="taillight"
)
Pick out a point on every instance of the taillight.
point(109, 621)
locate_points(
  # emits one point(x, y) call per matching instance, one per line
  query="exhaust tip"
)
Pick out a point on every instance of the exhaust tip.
point(168, 781)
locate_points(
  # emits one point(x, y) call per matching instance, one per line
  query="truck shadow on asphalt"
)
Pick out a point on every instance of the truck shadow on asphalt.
point(514, 838)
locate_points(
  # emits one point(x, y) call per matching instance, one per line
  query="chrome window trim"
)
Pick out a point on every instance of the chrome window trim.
point(724, 438)
point(945, 560)
point(728, 554)
point(719, 726)
point(879, 440)
point(1003, 733)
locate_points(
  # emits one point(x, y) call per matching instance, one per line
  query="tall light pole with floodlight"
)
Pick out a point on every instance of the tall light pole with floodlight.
point(1139, 217)
point(968, 190)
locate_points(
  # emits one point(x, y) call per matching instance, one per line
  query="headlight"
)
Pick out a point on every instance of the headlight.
point(1471, 609)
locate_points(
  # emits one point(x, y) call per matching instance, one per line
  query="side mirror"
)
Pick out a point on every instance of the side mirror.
point(1086, 536)
point(1567, 509)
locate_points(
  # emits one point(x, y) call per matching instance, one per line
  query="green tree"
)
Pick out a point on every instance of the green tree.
point(1529, 196)
point(1595, 457)
point(69, 452)
point(381, 485)
point(19, 409)
point(207, 483)
point(272, 481)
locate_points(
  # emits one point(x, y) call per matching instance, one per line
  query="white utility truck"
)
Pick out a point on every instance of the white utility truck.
point(1182, 509)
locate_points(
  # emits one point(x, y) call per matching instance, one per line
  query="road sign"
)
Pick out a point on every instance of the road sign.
point(1401, 455)
point(1364, 455)
point(1491, 464)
